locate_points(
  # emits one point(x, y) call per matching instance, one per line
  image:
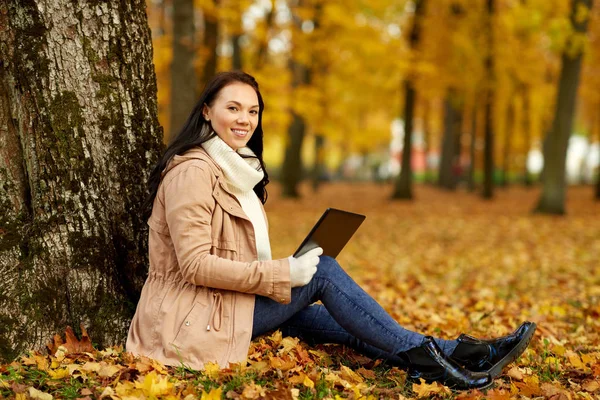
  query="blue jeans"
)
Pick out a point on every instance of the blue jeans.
point(348, 316)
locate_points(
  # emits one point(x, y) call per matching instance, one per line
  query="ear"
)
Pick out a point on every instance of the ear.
point(205, 111)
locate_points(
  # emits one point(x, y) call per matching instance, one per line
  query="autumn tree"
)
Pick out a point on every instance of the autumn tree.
point(552, 199)
point(403, 184)
point(79, 132)
point(183, 75)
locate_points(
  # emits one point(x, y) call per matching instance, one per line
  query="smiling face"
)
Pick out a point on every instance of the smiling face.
point(234, 114)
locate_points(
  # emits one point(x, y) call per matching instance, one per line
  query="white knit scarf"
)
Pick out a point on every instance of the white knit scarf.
point(241, 175)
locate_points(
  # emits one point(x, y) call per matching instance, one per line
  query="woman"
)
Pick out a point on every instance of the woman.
point(212, 285)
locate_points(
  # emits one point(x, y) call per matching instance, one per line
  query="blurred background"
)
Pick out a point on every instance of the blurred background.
point(466, 92)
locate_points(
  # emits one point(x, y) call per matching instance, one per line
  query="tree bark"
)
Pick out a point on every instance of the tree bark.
point(450, 142)
point(403, 183)
point(292, 170)
point(261, 53)
point(319, 166)
point(527, 180)
point(183, 76)
point(488, 151)
point(597, 194)
point(211, 37)
point(472, 153)
point(236, 60)
point(78, 133)
point(506, 149)
point(552, 199)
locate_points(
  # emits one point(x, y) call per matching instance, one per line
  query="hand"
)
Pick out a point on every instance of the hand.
point(304, 267)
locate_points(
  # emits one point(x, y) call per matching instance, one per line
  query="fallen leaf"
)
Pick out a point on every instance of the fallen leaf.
point(211, 370)
point(515, 373)
point(591, 386)
point(308, 382)
point(349, 375)
point(214, 394)
point(37, 394)
point(424, 389)
point(366, 373)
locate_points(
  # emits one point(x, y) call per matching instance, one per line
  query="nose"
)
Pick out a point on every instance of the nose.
point(243, 118)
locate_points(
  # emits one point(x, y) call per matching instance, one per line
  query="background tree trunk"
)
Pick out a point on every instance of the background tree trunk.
point(211, 38)
point(183, 76)
point(403, 184)
point(319, 166)
point(472, 152)
point(488, 151)
point(527, 180)
point(79, 131)
point(506, 148)
point(291, 169)
point(450, 142)
point(552, 199)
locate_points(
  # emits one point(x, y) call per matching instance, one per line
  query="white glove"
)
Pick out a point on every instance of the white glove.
point(304, 267)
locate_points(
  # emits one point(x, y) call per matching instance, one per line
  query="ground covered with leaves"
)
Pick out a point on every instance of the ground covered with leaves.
point(442, 264)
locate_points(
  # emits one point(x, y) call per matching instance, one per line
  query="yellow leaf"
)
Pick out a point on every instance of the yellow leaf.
point(559, 350)
point(426, 390)
point(106, 371)
point(215, 394)
point(211, 370)
point(349, 375)
point(276, 337)
point(20, 396)
point(107, 392)
point(591, 386)
point(587, 359)
point(37, 394)
point(308, 382)
point(288, 343)
point(297, 378)
point(575, 360)
point(58, 373)
point(154, 385)
point(253, 391)
point(124, 388)
point(90, 367)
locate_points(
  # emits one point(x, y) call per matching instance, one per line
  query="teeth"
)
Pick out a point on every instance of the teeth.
point(239, 131)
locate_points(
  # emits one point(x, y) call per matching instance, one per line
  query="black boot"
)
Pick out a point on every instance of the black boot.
point(492, 355)
point(429, 362)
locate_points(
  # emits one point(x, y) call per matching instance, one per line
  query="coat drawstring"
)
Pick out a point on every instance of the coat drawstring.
point(216, 312)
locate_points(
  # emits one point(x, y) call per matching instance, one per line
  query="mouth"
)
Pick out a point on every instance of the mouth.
point(241, 133)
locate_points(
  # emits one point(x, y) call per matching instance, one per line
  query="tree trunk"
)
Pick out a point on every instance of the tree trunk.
point(488, 151)
point(291, 170)
point(598, 177)
point(403, 184)
point(507, 146)
point(472, 144)
point(183, 76)
point(552, 199)
point(211, 37)
point(236, 61)
point(319, 166)
point(427, 144)
point(78, 133)
point(450, 142)
point(527, 180)
point(261, 53)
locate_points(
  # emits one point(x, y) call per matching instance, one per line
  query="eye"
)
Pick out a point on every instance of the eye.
point(232, 108)
point(254, 112)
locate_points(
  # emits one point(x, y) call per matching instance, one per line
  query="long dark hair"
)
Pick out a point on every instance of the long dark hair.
point(197, 130)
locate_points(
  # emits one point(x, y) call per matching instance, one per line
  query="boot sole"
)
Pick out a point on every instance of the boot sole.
point(497, 368)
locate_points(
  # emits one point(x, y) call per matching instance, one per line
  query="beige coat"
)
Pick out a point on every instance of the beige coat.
point(197, 303)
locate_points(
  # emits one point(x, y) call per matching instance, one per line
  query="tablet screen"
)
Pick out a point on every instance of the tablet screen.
point(333, 230)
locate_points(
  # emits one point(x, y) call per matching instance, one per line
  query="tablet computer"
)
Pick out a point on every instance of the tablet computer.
point(331, 232)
